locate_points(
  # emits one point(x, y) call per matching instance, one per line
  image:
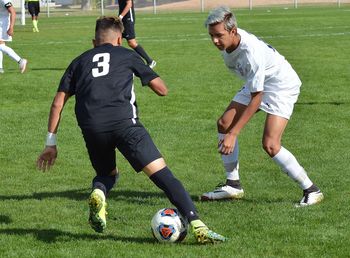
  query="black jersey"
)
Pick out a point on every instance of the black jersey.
point(102, 81)
point(130, 15)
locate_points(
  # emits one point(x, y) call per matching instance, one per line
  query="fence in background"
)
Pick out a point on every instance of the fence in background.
point(86, 7)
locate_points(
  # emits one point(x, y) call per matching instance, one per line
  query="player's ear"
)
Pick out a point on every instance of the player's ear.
point(119, 40)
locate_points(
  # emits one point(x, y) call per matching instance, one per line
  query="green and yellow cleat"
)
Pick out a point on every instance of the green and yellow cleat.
point(204, 235)
point(97, 204)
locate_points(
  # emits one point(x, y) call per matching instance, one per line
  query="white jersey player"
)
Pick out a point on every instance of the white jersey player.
point(271, 85)
point(7, 22)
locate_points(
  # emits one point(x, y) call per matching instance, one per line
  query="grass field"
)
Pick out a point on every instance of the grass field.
point(45, 214)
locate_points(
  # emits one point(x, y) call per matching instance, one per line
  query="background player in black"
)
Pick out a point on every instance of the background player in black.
point(127, 14)
point(102, 81)
point(34, 10)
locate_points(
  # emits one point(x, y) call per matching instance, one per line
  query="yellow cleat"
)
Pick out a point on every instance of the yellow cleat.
point(204, 235)
point(97, 204)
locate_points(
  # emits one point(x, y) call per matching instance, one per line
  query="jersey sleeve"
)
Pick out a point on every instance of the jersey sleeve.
point(67, 83)
point(256, 73)
point(141, 70)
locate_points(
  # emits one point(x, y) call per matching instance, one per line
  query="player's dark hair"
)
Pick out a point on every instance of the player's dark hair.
point(105, 23)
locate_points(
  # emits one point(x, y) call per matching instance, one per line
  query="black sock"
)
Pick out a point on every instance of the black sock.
point(104, 183)
point(143, 54)
point(311, 189)
point(175, 192)
point(234, 183)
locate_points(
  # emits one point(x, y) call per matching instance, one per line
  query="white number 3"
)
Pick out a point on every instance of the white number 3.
point(102, 60)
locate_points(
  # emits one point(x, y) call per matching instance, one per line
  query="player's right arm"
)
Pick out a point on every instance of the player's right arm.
point(158, 86)
point(47, 158)
point(12, 13)
point(126, 9)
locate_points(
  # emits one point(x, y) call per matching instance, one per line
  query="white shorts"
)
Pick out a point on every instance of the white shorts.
point(275, 103)
point(4, 26)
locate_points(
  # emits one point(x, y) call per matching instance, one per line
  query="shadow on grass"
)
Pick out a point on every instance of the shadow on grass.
point(50, 236)
point(5, 219)
point(54, 235)
point(83, 194)
point(334, 103)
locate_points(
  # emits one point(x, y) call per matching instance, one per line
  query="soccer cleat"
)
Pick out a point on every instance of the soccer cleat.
point(310, 198)
point(152, 64)
point(204, 235)
point(223, 192)
point(2, 70)
point(97, 204)
point(22, 65)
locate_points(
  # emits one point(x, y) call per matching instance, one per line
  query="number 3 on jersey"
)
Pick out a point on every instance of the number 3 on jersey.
point(102, 61)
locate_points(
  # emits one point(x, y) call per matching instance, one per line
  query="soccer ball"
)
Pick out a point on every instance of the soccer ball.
point(168, 226)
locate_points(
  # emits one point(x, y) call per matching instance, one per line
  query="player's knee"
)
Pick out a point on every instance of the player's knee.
point(271, 146)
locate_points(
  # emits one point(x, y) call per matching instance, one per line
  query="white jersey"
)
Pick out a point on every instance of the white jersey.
point(261, 66)
point(4, 20)
point(3, 8)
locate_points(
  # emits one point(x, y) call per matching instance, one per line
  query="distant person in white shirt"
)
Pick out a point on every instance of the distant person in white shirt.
point(271, 85)
point(7, 23)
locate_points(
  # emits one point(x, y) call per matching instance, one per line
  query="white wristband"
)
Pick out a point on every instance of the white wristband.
point(121, 17)
point(51, 139)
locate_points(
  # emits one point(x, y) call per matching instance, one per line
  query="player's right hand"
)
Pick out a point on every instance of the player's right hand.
point(47, 158)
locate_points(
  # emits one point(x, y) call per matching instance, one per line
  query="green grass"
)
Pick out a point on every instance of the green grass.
point(45, 214)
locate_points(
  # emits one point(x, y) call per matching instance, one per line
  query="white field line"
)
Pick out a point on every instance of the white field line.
point(185, 37)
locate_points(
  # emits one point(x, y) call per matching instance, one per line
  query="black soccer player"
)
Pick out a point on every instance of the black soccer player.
point(101, 79)
point(127, 15)
point(34, 10)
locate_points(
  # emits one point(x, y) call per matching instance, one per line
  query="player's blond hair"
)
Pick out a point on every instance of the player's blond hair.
point(222, 14)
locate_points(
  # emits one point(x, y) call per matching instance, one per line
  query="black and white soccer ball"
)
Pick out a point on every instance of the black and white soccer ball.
point(168, 226)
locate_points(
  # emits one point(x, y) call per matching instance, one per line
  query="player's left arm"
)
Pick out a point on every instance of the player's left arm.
point(158, 86)
point(227, 144)
point(48, 157)
point(12, 13)
point(126, 8)
point(255, 83)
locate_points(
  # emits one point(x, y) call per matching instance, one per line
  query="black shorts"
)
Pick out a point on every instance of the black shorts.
point(34, 8)
point(132, 140)
point(129, 30)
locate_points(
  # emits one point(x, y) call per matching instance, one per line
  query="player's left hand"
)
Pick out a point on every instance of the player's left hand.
point(47, 158)
point(227, 144)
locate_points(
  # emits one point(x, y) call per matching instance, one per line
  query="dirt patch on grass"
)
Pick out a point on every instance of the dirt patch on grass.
point(196, 5)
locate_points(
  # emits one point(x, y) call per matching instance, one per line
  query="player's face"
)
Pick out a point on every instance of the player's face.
point(222, 38)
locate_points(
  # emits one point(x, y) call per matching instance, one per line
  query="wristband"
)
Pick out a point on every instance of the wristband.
point(121, 16)
point(51, 139)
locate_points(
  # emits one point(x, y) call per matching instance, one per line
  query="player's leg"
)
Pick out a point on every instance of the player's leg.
point(139, 149)
point(273, 131)
point(101, 151)
point(141, 51)
point(162, 177)
point(11, 53)
point(231, 189)
point(130, 36)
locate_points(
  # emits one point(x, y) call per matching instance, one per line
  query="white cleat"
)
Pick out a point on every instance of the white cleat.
point(223, 192)
point(153, 64)
point(310, 199)
point(22, 65)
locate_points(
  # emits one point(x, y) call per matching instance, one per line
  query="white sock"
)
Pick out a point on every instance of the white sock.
point(1, 58)
point(231, 161)
point(10, 52)
point(292, 168)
